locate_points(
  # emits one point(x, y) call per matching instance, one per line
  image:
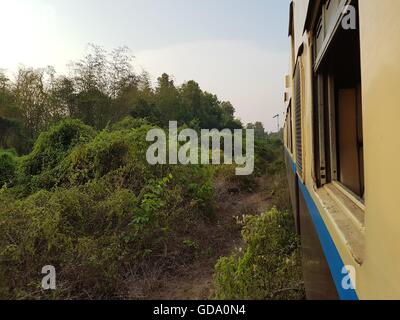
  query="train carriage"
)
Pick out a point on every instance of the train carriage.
point(342, 143)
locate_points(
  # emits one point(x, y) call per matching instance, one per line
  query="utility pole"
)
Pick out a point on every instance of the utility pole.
point(277, 117)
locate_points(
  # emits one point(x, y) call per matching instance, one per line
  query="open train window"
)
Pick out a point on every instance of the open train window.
point(338, 133)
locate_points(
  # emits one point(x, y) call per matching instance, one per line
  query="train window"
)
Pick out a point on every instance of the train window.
point(288, 129)
point(298, 119)
point(338, 133)
point(290, 123)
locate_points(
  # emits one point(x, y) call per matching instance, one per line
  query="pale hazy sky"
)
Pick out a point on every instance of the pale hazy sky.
point(236, 49)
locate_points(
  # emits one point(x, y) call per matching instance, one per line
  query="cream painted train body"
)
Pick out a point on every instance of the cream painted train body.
point(342, 138)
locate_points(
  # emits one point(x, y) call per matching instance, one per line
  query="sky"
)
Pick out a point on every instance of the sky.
point(235, 49)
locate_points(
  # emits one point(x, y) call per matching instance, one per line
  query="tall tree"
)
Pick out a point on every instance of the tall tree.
point(167, 99)
point(190, 96)
point(33, 97)
point(259, 131)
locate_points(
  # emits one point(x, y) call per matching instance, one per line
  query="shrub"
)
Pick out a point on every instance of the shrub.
point(198, 186)
point(107, 152)
point(52, 146)
point(129, 123)
point(96, 210)
point(8, 167)
point(93, 234)
point(269, 266)
point(71, 229)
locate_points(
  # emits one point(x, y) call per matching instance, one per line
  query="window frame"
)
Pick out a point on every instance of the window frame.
point(325, 144)
point(298, 117)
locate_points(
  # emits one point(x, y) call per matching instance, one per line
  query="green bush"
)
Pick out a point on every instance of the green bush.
point(52, 146)
point(198, 186)
point(129, 123)
point(96, 213)
point(75, 230)
point(268, 267)
point(38, 170)
point(8, 167)
point(93, 234)
point(106, 153)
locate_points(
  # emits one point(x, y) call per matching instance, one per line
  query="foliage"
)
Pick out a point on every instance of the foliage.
point(95, 210)
point(259, 130)
point(8, 167)
point(13, 135)
point(101, 89)
point(129, 123)
point(268, 267)
point(268, 161)
point(50, 149)
point(76, 190)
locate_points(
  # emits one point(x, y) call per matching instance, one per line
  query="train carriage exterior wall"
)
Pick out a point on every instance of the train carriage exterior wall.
point(342, 138)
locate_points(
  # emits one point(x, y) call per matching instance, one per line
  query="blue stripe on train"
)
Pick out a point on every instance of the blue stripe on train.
point(332, 255)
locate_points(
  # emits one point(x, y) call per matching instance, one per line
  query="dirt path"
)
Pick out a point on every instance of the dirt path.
point(195, 281)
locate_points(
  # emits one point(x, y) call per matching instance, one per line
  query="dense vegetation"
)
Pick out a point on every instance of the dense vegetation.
point(76, 191)
point(89, 204)
point(268, 267)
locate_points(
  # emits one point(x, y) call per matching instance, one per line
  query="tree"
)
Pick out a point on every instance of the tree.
point(3, 80)
point(167, 99)
point(259, 131)
point(8, 108)
point(63, 94)
point(13, 136)
point(120, 72)
point(104, 83)
point(33, 97)
point(103, 88)
point(190, 98)
point(210, 113)
point(12, 129)
point(89, 73)
point(93, 107)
